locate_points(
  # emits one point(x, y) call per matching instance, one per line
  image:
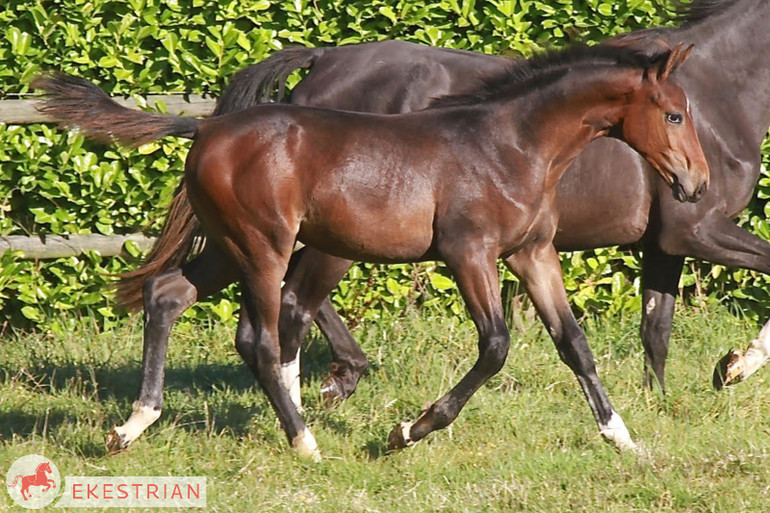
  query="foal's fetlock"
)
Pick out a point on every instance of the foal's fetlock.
point(120, 437)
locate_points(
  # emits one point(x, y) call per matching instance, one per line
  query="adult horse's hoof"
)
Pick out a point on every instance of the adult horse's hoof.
point(331, 391)
point(399, 437)
point(116, 442)
point(729, 370)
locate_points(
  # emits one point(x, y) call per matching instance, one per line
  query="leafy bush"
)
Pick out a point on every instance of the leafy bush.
point(57, 183)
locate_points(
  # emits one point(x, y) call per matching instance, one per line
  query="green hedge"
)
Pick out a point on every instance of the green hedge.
point(56, 183)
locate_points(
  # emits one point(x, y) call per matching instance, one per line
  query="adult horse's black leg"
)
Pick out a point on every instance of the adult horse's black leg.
point(476, 275)
point(540, 272)
point(718, 239)
point(660, 285)
point(166, 296)
point(305, 296)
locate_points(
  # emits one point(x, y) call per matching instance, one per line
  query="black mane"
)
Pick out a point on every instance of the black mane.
point(545, 68)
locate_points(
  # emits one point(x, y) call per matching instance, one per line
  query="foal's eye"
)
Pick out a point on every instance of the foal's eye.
point(674, 118)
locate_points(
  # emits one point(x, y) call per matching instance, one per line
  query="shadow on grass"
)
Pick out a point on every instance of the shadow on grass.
point(118, 385)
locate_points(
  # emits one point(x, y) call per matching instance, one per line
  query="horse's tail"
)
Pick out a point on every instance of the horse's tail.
point(77, 103)
point(265, 81)
point(180, 238)
point(15, 480)
point(181, 234)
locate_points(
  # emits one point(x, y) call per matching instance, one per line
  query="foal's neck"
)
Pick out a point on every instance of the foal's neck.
point(574, 111)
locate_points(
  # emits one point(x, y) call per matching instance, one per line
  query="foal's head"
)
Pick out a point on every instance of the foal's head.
point(658, 124)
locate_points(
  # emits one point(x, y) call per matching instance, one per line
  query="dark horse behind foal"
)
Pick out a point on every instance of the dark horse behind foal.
point(467, 183)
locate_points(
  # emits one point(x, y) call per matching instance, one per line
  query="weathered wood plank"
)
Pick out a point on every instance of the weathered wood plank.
point(58, 246)
point(22, 112)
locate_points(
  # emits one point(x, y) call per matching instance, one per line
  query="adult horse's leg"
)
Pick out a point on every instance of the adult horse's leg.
point(166, 297)
point(718, 239)
point(540, 272)
point(476, 275)
point(660, 284)
point(305, 296)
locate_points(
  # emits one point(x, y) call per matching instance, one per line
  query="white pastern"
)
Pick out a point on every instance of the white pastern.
point(306, 446)
point(615, 431)
point(142, 418)
point(290, 376)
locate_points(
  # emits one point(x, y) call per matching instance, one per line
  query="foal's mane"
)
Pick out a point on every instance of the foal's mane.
point(549, 66)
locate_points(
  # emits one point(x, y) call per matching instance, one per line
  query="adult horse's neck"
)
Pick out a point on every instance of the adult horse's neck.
point(733, 64)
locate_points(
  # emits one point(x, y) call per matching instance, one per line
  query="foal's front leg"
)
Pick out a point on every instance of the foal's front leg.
point(540, 272)
point(476, 275)
point(263, 272)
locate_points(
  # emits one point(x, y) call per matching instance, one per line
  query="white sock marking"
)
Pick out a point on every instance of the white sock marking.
point(290, 376)
point(142, 418)
point(306, 446)
point(615, 431)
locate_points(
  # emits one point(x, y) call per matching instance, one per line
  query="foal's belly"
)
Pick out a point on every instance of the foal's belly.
point(373, 233)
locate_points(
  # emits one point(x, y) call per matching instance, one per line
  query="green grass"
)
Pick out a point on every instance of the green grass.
point(525, 442)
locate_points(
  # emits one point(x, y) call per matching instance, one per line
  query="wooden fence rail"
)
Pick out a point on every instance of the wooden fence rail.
point(22, 112)
point(60, 246)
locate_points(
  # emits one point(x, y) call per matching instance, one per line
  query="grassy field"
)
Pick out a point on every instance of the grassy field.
point(525, 442)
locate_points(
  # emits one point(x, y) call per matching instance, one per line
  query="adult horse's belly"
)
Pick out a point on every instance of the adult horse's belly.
point(604, 197)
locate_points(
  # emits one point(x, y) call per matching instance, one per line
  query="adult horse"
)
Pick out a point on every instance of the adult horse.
point(394, 76)
point(467, 183)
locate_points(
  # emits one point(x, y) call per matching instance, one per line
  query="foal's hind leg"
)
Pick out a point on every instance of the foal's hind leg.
point(166, 296)
point(305, 296)
point(540, 272)
point(476, 275)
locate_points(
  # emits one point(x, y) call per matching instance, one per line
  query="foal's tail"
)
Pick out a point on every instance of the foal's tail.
point(182, 234)
point(79, 104)
point(16, 480)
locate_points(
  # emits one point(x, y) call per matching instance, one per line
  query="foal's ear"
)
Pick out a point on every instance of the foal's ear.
point(675, 58)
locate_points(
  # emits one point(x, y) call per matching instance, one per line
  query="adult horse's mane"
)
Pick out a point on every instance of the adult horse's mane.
point(548, 67)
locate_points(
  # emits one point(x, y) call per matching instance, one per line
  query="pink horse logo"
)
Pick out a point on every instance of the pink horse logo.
point(39, 478)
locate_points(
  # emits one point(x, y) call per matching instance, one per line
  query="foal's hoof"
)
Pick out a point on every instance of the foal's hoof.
point(331, 392)
point(306, 446)
point(116, 442)
point(729, 370)
point(399, 437)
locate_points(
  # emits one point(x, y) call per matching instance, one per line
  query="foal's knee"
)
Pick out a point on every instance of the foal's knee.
point(493, 350)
